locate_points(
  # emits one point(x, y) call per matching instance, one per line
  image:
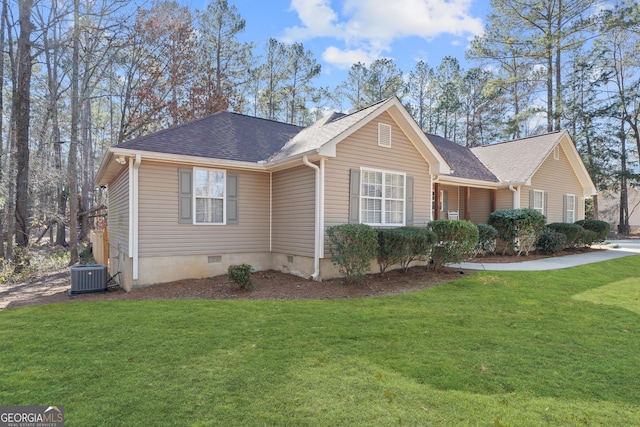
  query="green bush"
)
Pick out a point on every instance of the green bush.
point(517, 229)
point(419, 244)
point(574, 233)
point(487, 235)
point(392, 246)
point(587, 239)
point(601, 228)
point(455, 241)
point(241, 275)
point(352, 247)
point(550, 241)
point(403, 245)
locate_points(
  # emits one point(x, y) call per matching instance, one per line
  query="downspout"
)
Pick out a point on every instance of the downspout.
point(516, 196)
point(136, 166)
point(270, 212)
point(316, 256)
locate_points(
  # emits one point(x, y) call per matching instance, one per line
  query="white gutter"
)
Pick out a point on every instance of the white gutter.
point(270, 211)
point(317, 243)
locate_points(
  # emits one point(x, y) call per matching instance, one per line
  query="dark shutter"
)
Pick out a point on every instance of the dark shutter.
point(232, 198)
point(546, 203)
point(564, 208)
point(185, 195)
point(409, 200)
point(354, 197)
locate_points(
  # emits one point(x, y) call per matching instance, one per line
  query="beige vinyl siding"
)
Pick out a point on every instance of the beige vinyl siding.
point(361, 150)
point(294, 211)
point(556, 178)
point(480, 205)
point(159, 231)
point(504, 199)
point(118, 220)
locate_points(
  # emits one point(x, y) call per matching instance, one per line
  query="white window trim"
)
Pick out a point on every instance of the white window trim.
point(541, 209)
point(224, 197)
point(384, 129)
point(573, 211)
point(384, 198)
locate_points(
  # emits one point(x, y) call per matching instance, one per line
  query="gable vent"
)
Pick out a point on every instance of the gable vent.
point(556, 153)
point(384, 135)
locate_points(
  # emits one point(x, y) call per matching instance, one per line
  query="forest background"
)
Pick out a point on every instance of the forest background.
point(79, 76)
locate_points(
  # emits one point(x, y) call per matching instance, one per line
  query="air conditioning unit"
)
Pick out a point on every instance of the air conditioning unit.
point(88, 278)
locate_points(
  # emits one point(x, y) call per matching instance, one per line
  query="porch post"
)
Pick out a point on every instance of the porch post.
point(467, 200)
point(436, 201)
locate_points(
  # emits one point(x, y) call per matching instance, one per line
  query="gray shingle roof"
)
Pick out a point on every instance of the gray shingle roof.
point(517, 160)
point(463, 162)
point(223, 135)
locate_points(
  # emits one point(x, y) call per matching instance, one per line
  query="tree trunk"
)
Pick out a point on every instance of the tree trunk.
point(623, 225)
point(22, 103)
point(73, 148)
point(86, 165)
point(2, 159)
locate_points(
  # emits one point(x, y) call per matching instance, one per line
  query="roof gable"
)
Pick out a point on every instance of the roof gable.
point(323, 136)
point(516, 161)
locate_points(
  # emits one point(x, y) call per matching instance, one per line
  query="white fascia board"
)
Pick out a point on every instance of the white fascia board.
point(191, 160)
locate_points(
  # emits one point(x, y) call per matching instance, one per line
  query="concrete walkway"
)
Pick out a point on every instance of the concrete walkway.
point(624, 248)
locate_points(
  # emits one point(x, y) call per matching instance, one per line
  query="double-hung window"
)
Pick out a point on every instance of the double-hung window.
point(209, 191)
point(570, 208)
point(382, 197)
point(538, 201)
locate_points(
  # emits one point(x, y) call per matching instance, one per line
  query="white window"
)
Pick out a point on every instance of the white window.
point(209, 200)
point(384, 135)
point(382, 197)
point(538, 201)
point(570, 206)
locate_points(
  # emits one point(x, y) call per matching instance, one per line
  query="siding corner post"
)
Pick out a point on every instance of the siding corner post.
point(134, 165)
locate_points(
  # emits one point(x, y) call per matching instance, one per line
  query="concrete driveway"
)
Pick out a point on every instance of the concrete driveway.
point(610, 251)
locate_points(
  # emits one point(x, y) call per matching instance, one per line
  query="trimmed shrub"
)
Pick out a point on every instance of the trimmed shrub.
point(403, 245)
point(601, 228)
point(455, 241)
point(574, 233)
point(487, 235)
point(517, 229)
point(419, 244)
point(352, 247)
point(550, 242)
point(241, 275)
point(587, 239)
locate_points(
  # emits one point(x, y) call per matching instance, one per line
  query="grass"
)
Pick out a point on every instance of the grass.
point(494, 348)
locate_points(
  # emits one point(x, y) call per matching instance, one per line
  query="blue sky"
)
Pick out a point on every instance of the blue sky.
point(343, 32)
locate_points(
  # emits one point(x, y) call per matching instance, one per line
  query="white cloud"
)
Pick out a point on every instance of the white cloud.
point(368, 27)
point(345, 58)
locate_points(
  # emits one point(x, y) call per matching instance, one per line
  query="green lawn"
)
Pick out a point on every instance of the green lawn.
point(557, 348)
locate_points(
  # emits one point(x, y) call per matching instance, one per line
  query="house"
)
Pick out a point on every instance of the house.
point(609, 206)
point(189, 201)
